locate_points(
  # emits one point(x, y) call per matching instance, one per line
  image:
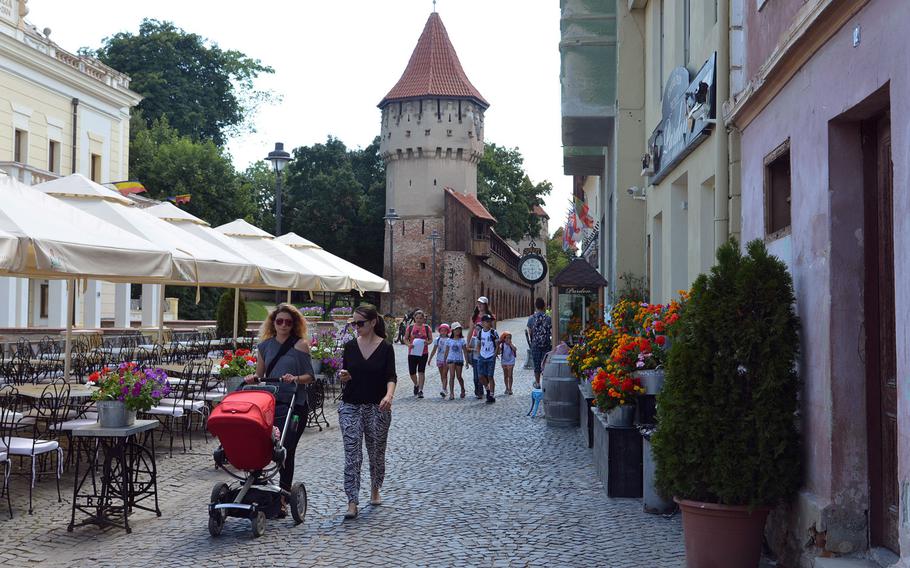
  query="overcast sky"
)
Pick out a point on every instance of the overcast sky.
point(335, 60)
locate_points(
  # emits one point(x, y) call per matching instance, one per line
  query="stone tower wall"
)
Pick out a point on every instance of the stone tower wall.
point(430, 144)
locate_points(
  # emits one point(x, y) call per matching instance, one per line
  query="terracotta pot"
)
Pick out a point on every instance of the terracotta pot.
point(722, 536)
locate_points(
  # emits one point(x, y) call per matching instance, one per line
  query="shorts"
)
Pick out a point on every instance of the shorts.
point(417, 364)
point(456, 363)
point(486, 366)
point(538, 354)
point(441, 364)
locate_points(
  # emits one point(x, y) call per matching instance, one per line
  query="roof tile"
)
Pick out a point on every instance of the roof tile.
point(434, 69)
point(472, 204)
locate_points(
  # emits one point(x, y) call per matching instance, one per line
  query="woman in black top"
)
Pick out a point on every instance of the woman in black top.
point(365, 410)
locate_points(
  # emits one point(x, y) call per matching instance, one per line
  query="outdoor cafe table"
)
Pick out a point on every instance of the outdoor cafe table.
point(77, 390)
point(128, 474)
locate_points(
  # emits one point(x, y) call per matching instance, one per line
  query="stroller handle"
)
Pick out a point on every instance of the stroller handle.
point(272, 386)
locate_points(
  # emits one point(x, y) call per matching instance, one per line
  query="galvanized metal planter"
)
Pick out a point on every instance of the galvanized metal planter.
point(114, 414)
point(652, 380)
point(621, 416)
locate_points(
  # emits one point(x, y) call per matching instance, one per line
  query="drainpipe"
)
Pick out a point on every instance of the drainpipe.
point(722, 145)
point(75, 131)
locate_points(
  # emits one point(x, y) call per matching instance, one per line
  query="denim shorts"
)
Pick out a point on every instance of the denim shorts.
point(486, 366)
point(538, 354)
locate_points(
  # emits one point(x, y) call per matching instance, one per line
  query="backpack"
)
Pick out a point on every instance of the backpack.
point(541, 331)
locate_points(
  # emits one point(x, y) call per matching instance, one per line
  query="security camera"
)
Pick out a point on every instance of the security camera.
point(636, 192)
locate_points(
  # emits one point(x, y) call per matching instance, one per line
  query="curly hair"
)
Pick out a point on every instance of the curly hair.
point(267, 330)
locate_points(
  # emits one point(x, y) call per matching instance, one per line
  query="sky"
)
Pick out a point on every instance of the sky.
point(334, 61)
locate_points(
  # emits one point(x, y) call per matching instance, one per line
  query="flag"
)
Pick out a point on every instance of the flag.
point(127, 187)
point(581, 213)
point(180, 199)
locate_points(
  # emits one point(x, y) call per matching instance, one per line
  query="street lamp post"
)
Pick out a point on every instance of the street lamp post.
point(391, 218)
point(279, 159)
point(434, 237)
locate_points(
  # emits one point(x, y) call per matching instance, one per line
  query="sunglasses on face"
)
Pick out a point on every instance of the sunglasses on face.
point(284, 321)
point(359, 323)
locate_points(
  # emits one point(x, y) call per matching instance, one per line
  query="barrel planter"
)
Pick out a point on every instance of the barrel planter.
point(653, 502)
point(560, 393)
point(586, 413)
point(722, 535)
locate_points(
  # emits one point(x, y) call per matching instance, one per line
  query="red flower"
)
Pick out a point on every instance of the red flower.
point(659, 326)
point(627, 385)
point(660, 340)
point(93, 378)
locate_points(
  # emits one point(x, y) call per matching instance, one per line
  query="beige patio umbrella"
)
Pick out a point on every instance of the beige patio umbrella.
point(55, 240)
point(363, 279)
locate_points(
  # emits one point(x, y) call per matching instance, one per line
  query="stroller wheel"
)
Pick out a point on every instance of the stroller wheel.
point(218, 492)
point(216, 523)
point(258, 523)
point(298, 502)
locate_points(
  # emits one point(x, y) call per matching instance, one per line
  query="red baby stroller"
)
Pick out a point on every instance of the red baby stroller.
point(243, 423)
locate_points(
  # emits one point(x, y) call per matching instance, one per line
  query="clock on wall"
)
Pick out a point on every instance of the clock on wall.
point(532, 268)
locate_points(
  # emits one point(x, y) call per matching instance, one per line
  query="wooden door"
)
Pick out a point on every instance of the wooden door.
point(881, 360)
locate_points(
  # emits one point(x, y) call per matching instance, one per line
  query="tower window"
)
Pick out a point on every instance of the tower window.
point(407, 133)
point(449, 132)
point(426, 132)
point(410, 182)
point(434, 182)
point(423, 227)
point(423, 265)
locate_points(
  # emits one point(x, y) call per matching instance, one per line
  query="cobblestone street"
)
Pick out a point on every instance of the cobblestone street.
point(467, 484)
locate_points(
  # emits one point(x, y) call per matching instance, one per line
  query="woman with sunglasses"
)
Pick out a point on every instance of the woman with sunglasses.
point(365, 410)
point(284, 352)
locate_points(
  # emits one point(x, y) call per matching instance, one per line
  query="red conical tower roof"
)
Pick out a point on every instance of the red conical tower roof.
point(434, 69)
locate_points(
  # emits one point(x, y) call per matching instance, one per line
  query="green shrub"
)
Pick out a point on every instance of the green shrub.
point(224, 326)
point(727, 429)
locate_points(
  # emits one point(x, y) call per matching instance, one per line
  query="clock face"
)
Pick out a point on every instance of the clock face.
point(533, 268)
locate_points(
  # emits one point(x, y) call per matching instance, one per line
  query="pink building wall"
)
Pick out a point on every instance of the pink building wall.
point(765, 27)
point(818, 112)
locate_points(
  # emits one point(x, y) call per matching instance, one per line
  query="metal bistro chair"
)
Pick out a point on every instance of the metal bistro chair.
point(47, 412)
point(9, 417)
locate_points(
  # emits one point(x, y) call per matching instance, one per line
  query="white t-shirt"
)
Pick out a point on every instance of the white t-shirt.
point(441, 343)
point(488, 343)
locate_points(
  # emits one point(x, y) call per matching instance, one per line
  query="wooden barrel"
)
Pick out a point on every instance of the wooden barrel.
point(560, 393)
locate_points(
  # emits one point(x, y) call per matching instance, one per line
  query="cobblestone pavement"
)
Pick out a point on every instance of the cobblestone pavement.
point(467, 484)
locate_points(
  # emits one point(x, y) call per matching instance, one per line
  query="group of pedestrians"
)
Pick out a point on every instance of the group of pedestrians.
point(477, 348)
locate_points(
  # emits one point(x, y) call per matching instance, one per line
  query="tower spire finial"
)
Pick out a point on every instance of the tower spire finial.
point(434, 6)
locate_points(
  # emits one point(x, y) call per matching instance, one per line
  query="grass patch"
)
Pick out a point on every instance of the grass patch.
point(257, 310)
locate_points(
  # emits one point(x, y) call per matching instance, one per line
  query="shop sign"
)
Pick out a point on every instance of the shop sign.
point(687, 116)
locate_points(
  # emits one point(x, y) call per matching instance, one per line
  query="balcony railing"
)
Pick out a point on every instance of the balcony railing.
point(28, 175)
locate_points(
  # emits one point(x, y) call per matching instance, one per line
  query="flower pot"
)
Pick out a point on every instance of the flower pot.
point(617, 458)
point(341, 319)
point(311, 319)
point(621, 416)
point(653, 502)
point(722, 535)
point(232, 383)
point(586, 390)
point(586, 415)
point(317, 366)
point(651, 380)
point(114, 414)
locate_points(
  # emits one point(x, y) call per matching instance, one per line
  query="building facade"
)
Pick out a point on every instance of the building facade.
point(60, 113)
point(432, 133)
point(824, 112)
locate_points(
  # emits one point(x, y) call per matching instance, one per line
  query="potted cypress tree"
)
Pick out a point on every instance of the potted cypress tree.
point(727, 447)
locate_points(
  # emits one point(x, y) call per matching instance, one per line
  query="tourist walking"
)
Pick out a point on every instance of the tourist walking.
point(439, 352)
point(456, 356)
point(482, 307)
point(488, 346)
point(540, 330)
point(507, 354)
point(284, 353)
point(365, 411)
point(417, 337)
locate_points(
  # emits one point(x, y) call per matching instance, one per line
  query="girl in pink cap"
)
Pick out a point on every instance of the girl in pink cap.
point(439, 350)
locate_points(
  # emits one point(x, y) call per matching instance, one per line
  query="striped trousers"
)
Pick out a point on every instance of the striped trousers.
point(363, 423)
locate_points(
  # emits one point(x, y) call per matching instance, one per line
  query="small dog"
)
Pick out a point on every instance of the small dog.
point(536, 397)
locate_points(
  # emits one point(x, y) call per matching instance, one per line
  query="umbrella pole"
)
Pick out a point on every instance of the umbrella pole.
point(236, 314)
point(289, 297)
point(70, 312)
point(161, 316)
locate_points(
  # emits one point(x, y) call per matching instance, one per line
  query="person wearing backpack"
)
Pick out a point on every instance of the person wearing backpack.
point(488, 346)
point(540, 330)
point(418, 337)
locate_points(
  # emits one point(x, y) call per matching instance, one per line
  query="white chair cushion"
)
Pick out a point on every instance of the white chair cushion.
point(75, 423)
point(23, 446)
point(166, 410)
point(3, 457)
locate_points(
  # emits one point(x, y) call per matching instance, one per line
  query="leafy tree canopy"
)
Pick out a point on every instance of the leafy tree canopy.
point(557, 258)
point(169, 164)
point(206, 93)
point(508, 194)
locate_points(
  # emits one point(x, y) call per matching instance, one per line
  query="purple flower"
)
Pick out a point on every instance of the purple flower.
point(156, 394)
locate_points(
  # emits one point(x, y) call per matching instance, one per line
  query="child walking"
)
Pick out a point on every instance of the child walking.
point(486, 360)
point(439, 350)
point(456, 356)
point(507, 352)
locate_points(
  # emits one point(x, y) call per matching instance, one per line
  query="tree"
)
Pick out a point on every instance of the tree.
point(224, 326)
point(335, 197)
point(205, 92)
point(507, 192)
point(169, 164)
point(557, 258)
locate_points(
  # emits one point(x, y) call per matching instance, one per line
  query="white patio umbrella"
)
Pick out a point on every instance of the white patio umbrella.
point(55, 240)
point(363, 279)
